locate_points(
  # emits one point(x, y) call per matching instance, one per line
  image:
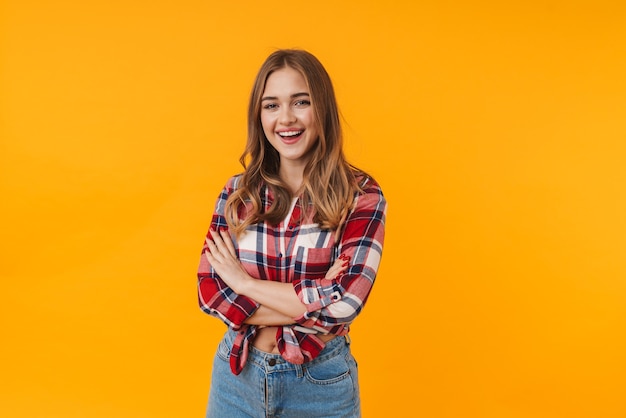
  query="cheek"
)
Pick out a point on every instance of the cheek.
point(266, 123)
point(307, 118)
point(311, 127)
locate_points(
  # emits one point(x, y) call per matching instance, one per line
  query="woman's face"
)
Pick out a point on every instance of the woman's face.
point(287, 116)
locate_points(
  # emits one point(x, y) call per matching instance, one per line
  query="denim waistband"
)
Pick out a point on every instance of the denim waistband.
point(275, 362)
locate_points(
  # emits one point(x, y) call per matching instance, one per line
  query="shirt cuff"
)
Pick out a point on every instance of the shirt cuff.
point(234, 314)
point(316, 295)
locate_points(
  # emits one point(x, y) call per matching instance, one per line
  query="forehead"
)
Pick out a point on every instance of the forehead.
point(285, 81)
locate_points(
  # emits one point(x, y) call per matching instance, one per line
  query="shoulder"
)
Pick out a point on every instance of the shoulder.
point(236, 186)
point(367, 184)
point(369, 196)
point(237, 182)
point(233, 184)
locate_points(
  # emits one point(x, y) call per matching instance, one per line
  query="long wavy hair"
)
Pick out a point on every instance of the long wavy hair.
point(329, 181)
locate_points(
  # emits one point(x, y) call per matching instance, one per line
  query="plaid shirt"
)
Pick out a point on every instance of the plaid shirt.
point(297, 251)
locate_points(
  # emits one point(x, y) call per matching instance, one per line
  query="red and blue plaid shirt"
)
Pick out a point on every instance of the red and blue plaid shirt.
point(297, 251)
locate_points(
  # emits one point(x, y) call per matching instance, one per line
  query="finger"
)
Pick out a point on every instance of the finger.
point(346, 258)
point(228, 241)
point(332, 273)
point(213, 249)
point(337, 268)
point(209, 257)
point(340, 263)
point(219, 242)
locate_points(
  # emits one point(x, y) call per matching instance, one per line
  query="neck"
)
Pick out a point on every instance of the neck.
point(292, 175)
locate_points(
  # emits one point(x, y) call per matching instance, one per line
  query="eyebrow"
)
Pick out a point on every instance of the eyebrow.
point(293, 96)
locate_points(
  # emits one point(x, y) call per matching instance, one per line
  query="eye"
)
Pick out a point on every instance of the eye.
point(303, 103)
point(270, 106)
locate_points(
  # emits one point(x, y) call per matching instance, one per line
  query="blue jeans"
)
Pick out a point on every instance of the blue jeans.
point(270, 387)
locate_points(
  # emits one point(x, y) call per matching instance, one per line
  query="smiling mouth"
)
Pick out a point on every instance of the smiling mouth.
point(290, 134)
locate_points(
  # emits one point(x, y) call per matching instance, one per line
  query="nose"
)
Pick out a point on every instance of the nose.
point(287, 116)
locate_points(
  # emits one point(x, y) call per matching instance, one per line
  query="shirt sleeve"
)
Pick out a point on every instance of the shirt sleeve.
point(337, 302)
point(214, 296)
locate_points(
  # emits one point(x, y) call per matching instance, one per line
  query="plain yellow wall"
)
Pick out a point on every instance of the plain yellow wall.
point(498, 133)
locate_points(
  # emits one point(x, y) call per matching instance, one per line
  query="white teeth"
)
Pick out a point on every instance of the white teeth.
point(289, 133)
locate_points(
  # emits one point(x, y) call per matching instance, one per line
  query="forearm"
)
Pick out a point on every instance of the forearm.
point(268, 317)
point(279, 297)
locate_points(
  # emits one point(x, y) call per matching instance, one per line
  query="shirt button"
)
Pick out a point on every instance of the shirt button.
point(271, 362)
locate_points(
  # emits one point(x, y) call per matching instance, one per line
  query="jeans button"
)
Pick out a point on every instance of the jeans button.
point(271, 362)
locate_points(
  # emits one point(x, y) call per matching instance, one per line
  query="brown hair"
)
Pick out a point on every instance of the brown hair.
point(329, 182)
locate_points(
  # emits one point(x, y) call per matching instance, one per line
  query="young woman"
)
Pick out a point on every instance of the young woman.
point(291, 255)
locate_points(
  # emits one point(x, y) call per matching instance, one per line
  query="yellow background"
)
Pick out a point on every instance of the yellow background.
point(497, 130)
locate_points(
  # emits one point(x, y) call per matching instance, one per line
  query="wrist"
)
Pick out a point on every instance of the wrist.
point(245, 285)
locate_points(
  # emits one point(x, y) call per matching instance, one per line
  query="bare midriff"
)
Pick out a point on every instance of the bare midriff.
point(265, 339)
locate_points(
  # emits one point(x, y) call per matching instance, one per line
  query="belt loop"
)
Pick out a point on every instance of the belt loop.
point(299, 372)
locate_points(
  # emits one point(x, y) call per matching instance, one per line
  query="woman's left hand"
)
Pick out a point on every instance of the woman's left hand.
point(223, 258)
